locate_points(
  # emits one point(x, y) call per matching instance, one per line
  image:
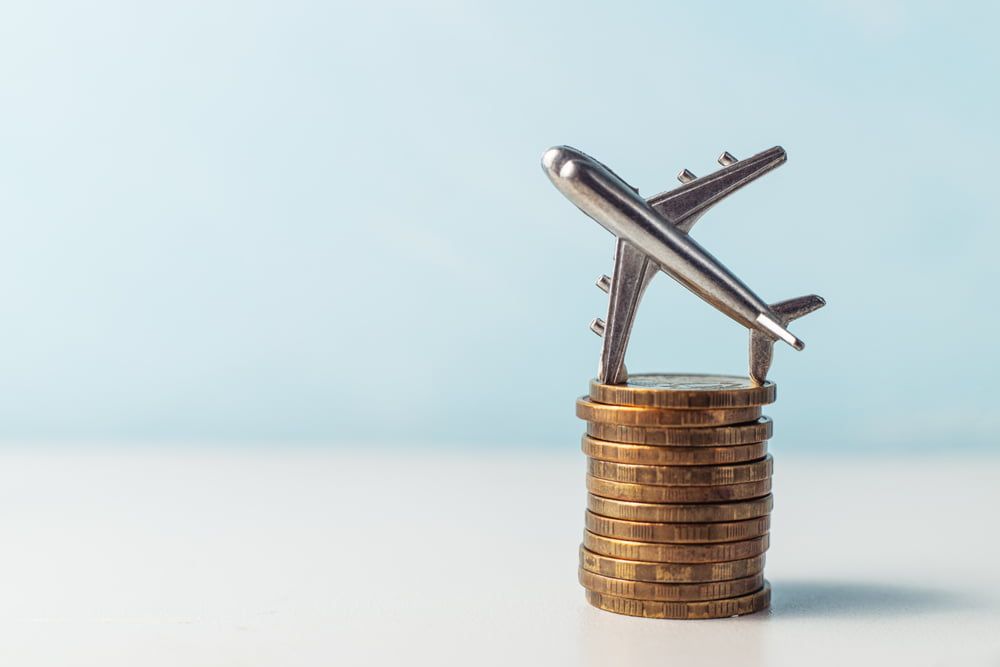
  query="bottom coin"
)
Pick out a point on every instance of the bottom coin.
point(737, 606)
point(634, 570)
point(642, 590)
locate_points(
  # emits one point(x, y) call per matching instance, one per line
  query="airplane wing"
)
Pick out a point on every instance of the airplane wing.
point(634, 270)
point(686, 204)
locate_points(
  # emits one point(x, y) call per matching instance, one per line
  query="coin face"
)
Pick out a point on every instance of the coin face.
point(693, 382)
point(737, 606)
point(715, 475)
point(634, 570)
point(617, 452)
point(713, 436)
point(660, 417)
point(691, 513)
point(648, 493)
point(678, 533)
point(684, 391)
point(644, 590)
point(674, 553)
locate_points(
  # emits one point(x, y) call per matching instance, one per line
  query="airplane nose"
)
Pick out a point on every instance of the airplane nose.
point(552, 159)
point(557, 157)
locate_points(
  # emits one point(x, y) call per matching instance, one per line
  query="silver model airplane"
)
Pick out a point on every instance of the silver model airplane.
point(653, 236)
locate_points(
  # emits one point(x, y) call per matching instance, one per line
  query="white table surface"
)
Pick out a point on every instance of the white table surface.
point(191, 556)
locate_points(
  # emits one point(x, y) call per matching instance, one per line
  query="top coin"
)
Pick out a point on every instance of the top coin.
point(684, 391)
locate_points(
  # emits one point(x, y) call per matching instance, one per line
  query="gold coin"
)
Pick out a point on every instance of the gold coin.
point(677, 533)
point(630, 416)
point(644, 590)
point(634, 570)
point(739, 473)
point(688, 391)
point(695, 513)
point(646, 493)
point(674, 553)
point(676, 456)
point(745, 604)
point(712, 436)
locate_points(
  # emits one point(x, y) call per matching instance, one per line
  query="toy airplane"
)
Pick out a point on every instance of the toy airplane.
point(652, 235)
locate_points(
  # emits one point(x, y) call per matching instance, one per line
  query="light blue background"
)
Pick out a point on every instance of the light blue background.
point(294, 221)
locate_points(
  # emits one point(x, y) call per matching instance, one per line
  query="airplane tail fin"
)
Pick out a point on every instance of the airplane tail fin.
point(762, 346)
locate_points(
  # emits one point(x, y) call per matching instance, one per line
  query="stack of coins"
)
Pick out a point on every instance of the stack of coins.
point(679, 502)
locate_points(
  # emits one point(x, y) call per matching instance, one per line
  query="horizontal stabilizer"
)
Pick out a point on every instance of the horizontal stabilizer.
point(793, 309)
point(762, 346)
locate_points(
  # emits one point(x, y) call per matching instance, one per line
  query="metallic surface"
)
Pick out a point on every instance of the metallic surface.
point(684, 391)
point(715, 436)
point(738, 606)
point(632, 273)
point(762, 347)
point(674, 553)
point(677, 494)
point(632, 416)
point(711, 475)
point(616, 206)
point(635, 570)
point(653, 235)
point(670, 456)
point(664, 592)
point(677, 533)
point(630, 510)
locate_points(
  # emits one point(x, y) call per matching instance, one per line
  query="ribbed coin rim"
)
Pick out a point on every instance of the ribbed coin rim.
point(701, 475)
point(653, 512)
point(738, 606)
point(664, 417)
point(716, 552)
point(700, 591)
point(649, 493)
point(683, 399)
point(758, 430)
point(653, 455)
point(653, 571)
point(674, 532)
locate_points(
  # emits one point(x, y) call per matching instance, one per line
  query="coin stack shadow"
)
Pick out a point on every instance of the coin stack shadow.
point(678, 509)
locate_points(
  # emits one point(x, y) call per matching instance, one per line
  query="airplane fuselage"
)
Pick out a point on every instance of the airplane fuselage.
point(616, 206)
